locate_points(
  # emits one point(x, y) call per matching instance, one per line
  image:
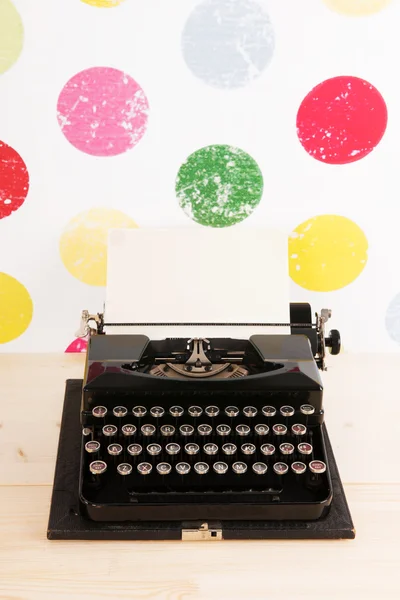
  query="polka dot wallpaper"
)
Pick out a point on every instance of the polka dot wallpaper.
point(213, 113)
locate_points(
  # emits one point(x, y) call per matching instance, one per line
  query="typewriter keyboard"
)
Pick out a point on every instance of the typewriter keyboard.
point(167, 454)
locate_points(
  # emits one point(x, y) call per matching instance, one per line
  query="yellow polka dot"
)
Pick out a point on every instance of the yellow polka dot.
point(83, 244)
point(11, 35)
point(327, 253)
point(357, 8)
point(103, 3)
point(16, 308)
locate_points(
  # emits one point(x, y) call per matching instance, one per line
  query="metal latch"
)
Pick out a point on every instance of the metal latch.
point(203, 533)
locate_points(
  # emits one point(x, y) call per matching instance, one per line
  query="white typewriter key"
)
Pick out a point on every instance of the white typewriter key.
point(279, 429)
point(260, 468)
point(176, 411)
point(195, 411)
point(220, 467)
point(305, 448)
point(144, 468)
point(114, 449)
point(87, 431)
point(204, 429)
point(229, 449)
point(164, 468)
point(154, 449)
point(232, 411)
point(201, 468)
point(128, 430)
point(139, 411)
point(242, 430)
point(212, 411)
point(92, 447)
point(186, 430)
point(299, 429)
point(148, 430)
point(124, 469)
point(99, 412)
point(172, 449)
point(317, 467)
point(109, 430)
point(298, 468)
point(98, 467)
point(287, 411)
point(183, 468)
point(307, 409)
point(210, 449)
point(268, 411)
point(223, 430)
point(167, 430)
point(261, 429)
point(157, 412)
point(134, 449)
point(281, 468)
point(268, 449)
point(120, 411)
point(248, 449)
point(239, 468)
point(192, 449)
point(250, 411)
point(286, 449)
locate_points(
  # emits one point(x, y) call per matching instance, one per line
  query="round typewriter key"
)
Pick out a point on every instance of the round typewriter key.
point(157, 412)
point(124, 469)
point(299, 429)
point(229, 449)
point(286, 449)
point(242, 430)
point(268, 449)
point(195, 411)
point(109, 430)
point(154, 449)
point(239, 468)
point(134, 449)
point(115, 449)
point(148, 430)
point(281, 468)
point(139, 411)
point(201, 468)
point(192, 449)
point(204, 429)
point(212, 411)
point(317, 467)
point(167, 430)
point(172, 449)
point(183, 468)
point(98, 467)
point(144, 468)
point(250, 411)
point(223, 430)
point(298, 467)
point(92, 447)
point(287, 411)
point(261, 429)
point(307, 409)
point(86, 431)
point(232, 411)
point(279, 429)
point(248, 449)
point(210, 449)
point(220, 467)
point(186, 430)
point(164, 468)
point(268, 411)
point(176, 411)
point(305, 448)
point(99, 412)
point(128, 430)
point(260, 468)
point(120, 411)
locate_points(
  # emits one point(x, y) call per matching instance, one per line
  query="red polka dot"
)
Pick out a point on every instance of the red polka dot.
point(78, 345)
point(14, 180)
point(341, 120)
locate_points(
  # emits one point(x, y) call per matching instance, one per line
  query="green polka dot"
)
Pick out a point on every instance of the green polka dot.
point(219, 186)
point(11, 35)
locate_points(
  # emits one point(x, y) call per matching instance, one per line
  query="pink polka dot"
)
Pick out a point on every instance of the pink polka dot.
point(102, 111)
point(78, 345)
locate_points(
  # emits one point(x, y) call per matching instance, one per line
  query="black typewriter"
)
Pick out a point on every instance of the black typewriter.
point(214, 429)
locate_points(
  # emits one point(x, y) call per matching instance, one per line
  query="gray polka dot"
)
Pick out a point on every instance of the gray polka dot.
point(393, 319)
point(228, 43)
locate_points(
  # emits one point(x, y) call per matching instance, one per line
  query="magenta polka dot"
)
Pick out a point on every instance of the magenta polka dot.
point(102, 111)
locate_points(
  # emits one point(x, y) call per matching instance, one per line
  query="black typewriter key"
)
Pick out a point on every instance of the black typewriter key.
point(239, 467)
point(210, 449)
point(186, 430)
point(195, 411)
point(223, 430)
point(299, 430)
point(317, 467)
point(124, 469)
point(269, 411)
point(201, 468)
point(229, 449)
point(261, 429)
point(134, 449)
point(87, 431)
point(154, 449)
point(242, 430)
point(167, 430)
point(268, 449)
point(110, 430)
point(157, 412)
point(248, 449)
point(314, 477)
point(286, 449)
point(286, 411)
point(307, 409)
point(220, 467)
point(172, 449)
point(148, 430)
point(176, 411)
point(279, 429)
point(128, 430)
point(92, 447)
point(120, 411)
point(232, 411)
point(144, 468)
point(298, 467)
point(204, 430)
point(212, 411)
point(114, 449)
point(250, 411)
point(182, 468)
point(139, 411)
point(164, 468)
point(99, 412)
point(280, 468)
point(98, 467)
point(192, 449)
point(305, 449)
point(260, 468)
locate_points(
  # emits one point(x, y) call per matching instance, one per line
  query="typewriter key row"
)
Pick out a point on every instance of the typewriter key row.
point(204, 429)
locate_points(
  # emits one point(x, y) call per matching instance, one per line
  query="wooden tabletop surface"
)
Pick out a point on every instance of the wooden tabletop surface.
point(363, 416)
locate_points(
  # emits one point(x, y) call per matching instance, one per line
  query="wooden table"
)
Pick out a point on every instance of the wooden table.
point(363, 415)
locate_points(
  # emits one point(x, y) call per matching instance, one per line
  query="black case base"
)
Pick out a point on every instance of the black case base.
point(65, 522)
